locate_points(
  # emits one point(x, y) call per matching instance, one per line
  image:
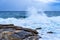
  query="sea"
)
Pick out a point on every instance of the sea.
point(47, 20)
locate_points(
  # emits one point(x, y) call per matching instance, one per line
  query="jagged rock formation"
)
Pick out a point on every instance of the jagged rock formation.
point(11, 32)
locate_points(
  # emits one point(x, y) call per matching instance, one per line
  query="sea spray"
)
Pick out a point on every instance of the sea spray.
point(37, 20)
point(35, 17)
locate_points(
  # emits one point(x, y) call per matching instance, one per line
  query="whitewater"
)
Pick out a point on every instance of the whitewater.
point(38, 20)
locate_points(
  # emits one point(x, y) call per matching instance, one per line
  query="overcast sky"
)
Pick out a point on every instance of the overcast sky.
point(22, 5)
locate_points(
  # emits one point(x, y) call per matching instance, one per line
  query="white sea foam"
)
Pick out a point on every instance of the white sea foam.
point(36, 20)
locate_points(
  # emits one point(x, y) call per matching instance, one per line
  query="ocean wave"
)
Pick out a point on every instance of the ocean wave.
point(35, 20)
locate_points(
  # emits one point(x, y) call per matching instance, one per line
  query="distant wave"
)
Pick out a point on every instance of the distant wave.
point(13, 14)
point(23, 14)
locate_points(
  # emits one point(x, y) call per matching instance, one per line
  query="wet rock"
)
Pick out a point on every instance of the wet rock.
point(40, 37)
point(30, 30)
point(38, 28)
point(11, 32)
point(6, 25)
point(50, 32)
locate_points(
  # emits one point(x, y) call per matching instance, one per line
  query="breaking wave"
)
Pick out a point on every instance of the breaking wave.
point(37, 20)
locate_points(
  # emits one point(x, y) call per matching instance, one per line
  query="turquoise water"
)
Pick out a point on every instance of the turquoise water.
point(23, 14)
point(12, 14)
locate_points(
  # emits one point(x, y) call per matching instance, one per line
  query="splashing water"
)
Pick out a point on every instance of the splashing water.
point(35, 16)
point(37, 20)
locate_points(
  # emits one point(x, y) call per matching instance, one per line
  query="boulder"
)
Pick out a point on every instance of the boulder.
point(11, 32)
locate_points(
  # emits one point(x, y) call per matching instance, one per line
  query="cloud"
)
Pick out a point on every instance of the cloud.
point(46, 1)
point(22, 5)
point(15, 5)
point(47, 5)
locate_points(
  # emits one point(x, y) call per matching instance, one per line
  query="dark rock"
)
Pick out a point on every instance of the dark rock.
point(50, 32)
point(40, 37)
point(38, 28)
point(6, 25)
point(24, 34)
point(30, 30)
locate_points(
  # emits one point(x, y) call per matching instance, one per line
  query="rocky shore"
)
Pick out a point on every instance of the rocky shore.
point(11, 32)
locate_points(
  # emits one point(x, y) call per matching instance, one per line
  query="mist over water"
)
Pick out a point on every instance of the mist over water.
point(36, 20)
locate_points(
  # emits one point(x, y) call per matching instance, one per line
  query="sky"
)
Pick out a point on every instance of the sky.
point(22, 5)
